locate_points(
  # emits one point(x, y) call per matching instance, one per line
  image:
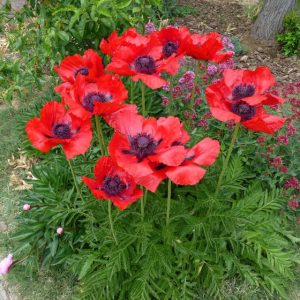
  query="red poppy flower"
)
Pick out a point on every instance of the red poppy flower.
point(101, 97)
point(89, 65)
point(241, 95)
point(173, 40)
point(113, 183)
point(140, 143)
point(189, 171)
point(207, 47)
point(56, 126)
point(144, 63)
point(130, 37)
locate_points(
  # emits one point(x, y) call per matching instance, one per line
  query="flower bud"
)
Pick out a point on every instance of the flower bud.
point(26, 207)
point(5, 264)
point(60, 230)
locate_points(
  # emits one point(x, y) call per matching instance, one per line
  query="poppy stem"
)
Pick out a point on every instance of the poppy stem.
point(100, 135)
point(171, 89)
point(143, 99)
point(131, 91)
point(111, 222)
point(143, 200)
point(169, 202)
point(197, 72)
point(225, 164)
point(74, 178)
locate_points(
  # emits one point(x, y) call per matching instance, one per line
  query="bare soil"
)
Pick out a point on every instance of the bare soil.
point(229, 18)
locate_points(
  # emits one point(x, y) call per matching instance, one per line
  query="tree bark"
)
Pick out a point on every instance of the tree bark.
point(270, 19)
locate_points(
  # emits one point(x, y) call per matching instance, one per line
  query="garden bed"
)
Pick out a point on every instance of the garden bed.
point(229, 18)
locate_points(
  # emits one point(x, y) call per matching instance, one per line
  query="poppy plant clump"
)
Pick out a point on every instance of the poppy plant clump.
point(159, 186)
point(148, 150)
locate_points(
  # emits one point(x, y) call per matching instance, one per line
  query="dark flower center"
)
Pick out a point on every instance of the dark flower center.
point(169, 48)
point(242, 91)
point(145, 64)
point(113, 185)
point(160, 166)
point(83, 71)
point(61, 131)
point(89, 100)
point(244, 110)
point(142, 145)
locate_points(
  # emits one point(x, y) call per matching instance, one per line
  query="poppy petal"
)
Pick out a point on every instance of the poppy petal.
point(152, 181)
point(80, 142)
point(152, 81)
point(205, 152)
point(265, 123)
point(186, 175)
point(125, 202)
point(173, 156)
point(37, 134)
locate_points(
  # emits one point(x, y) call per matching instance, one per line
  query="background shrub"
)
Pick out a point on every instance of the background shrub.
point(42, 34)
point(290, 38)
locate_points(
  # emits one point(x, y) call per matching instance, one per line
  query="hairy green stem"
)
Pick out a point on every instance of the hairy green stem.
point(143, 99)
point(225, 164)
point(171, 90)
point(144, 198)
point(143, 207)
point(111, 223)
point(74, 178)
point(131, 92)
point(169, 202)
point(100, 135)
point(197, 72)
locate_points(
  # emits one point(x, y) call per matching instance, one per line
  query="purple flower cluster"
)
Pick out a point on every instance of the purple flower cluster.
point(150, 27)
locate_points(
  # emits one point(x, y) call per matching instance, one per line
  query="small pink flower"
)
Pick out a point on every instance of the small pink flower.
point(276, 162)
point(291, 130)
point(291, 183)
point(284, 169)
point(212, 70)
point(26, 207)
point(283, 139)
point(149, 27)
point(176, 91)
point(203, 123)
point(230, 124)
point(261, 139)
point(207, 115)
point(166, 87)
point(60, 230)
point(164, 101)
point(197, 101)
point(293, 204)
point(6, 264)
point(228, 43)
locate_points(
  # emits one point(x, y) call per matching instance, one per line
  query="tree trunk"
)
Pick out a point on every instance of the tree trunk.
point(270, 19)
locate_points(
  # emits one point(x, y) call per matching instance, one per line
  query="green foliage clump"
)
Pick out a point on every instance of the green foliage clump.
point(290, 38)
point(42, 34)
point(239, 47)
point(210, 241)
point(172, 9)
